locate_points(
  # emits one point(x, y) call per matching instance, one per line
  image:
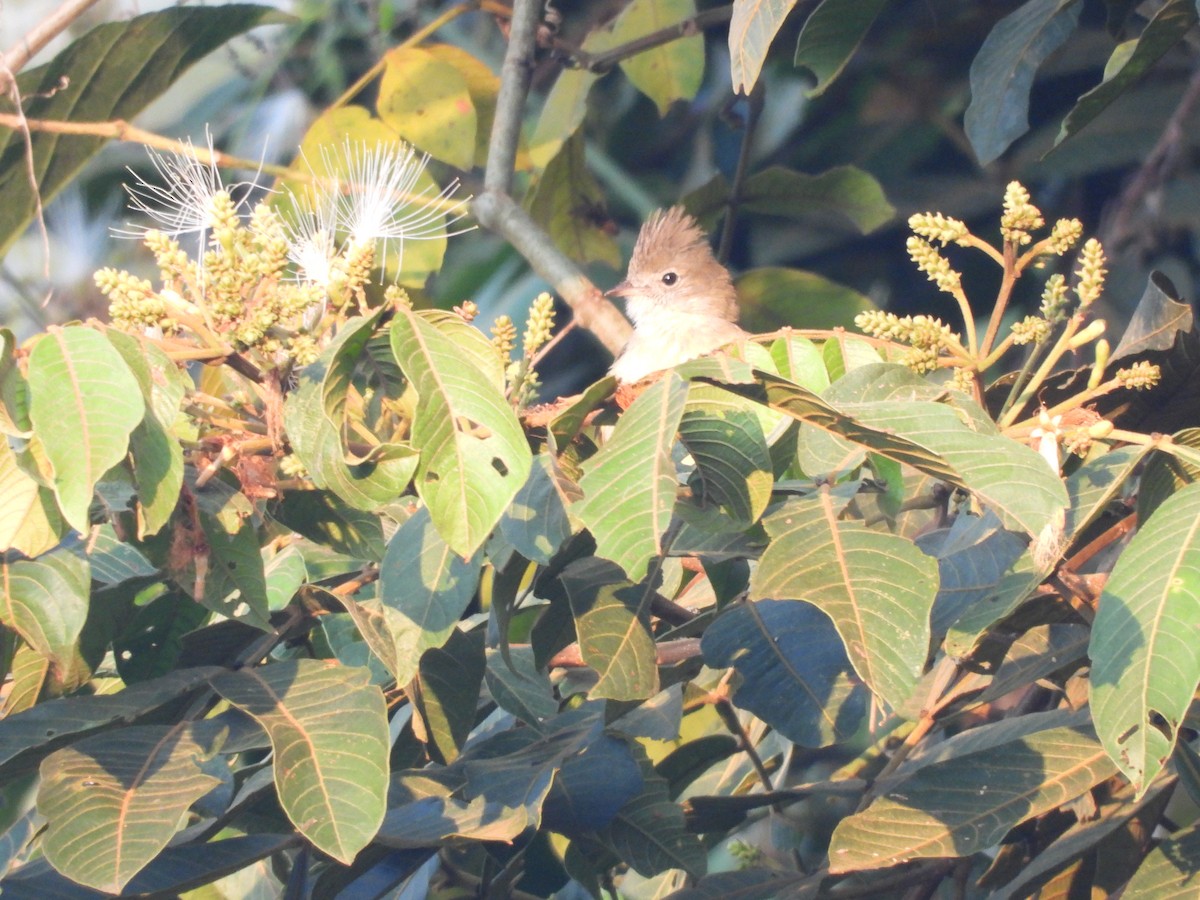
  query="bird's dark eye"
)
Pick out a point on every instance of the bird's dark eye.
point(669, 278)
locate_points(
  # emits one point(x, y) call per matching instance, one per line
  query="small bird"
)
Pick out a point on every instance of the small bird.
point(681, 300)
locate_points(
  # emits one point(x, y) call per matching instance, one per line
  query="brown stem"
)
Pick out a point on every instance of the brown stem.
point(38, 37)
point(753, 113)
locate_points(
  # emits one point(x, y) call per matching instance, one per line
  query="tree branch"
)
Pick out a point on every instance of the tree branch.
point(603, 62)
point(42, 33)
point(496, 210)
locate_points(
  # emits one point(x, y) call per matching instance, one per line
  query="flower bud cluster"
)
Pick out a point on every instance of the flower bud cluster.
point(939, 229)
point(935, 266)
point(1140, 376)
point(539, 325)
point(504, 336)
point(925, 335)
point(1064, 235)
point(1031, 330)
point(1055, 302)
point(1091, 272)
point(1020, 216)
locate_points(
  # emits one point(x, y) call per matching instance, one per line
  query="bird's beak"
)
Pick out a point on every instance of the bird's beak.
point(619, 290)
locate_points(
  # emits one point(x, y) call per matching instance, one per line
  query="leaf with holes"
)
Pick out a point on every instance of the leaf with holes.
point(329, 733)
point(474, 456)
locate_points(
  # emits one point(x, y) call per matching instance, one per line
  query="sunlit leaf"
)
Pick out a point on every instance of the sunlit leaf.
point(614, 639)
point(45, 601)
point(966, 804)
point(751, 31)
point(113, 801)
point(84, 403)
point(569, 204)
point(428, 103)
point(30, 522)
point(1169, 870)
point(877, 588)
point(629, 486)
point(474, 456)
point(561, 115)
point(1145, 657)
point(329, 734)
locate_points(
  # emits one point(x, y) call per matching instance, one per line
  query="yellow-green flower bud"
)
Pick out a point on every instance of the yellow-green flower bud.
point(1064, 235)
point(539, 325)
point(504, 336)
point(1030, 330)
point(936, 227)
point(1020, 216)
point(935, 266)
point(1140, 376)
point(1091, 272)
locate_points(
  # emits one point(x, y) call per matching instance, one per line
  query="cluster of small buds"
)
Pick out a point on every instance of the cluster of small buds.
point(1064, 235)
point(1091, 272)
point(963, 380)
point(1055, 302)
point(935, 266)
point(926, 335)
point(397, 297)
point(291, 467)
point(467, 310)
point(1020, 216)
point(1031, 330)
point(132, 302)
point(939, 229)
point(539, 325)
point(745, 854)
point(1140, 376)
point(504, 336)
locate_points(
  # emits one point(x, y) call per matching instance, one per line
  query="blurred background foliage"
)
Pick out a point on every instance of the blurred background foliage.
point(896, 111)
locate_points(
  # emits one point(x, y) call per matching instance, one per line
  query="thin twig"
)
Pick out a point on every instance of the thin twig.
point(38, 37)
point(603, 62)
point(753, 112)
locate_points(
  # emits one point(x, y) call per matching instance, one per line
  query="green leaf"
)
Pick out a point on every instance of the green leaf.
point(324, 519)
point(966, 804)
point(775, 296)
point(846, 191)
point(671, 71)
point(569, 204)
point(231, 572)
point(1169, 870)
point(29, 519)
point(830, 36)
point(561, 116)
point(877, 588)
point(518, 686)
point(113, 801)
point(537, 522)
point(156, 455)
point(424, 588)
point(1002, 72)
point(483, 87)
point(723, 434)
point(629, 486)
point(650, 832)
point(284, 573)
point(36, 731)
point(1133, 60)
point(318, 443)
point(474, 456)
point(329, 734)
point(932, 437)
point(751, 30)
point(613, 638)
point(111, 73)
point(1145, 657)
point(84, 403)
point(447, 691)
point(793, 666)
point(45, 601)
point(427, 102)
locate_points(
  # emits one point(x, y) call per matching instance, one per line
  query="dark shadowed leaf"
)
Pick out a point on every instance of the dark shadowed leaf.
point(830, 36)
point(1002, 72)
point(795, 674)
